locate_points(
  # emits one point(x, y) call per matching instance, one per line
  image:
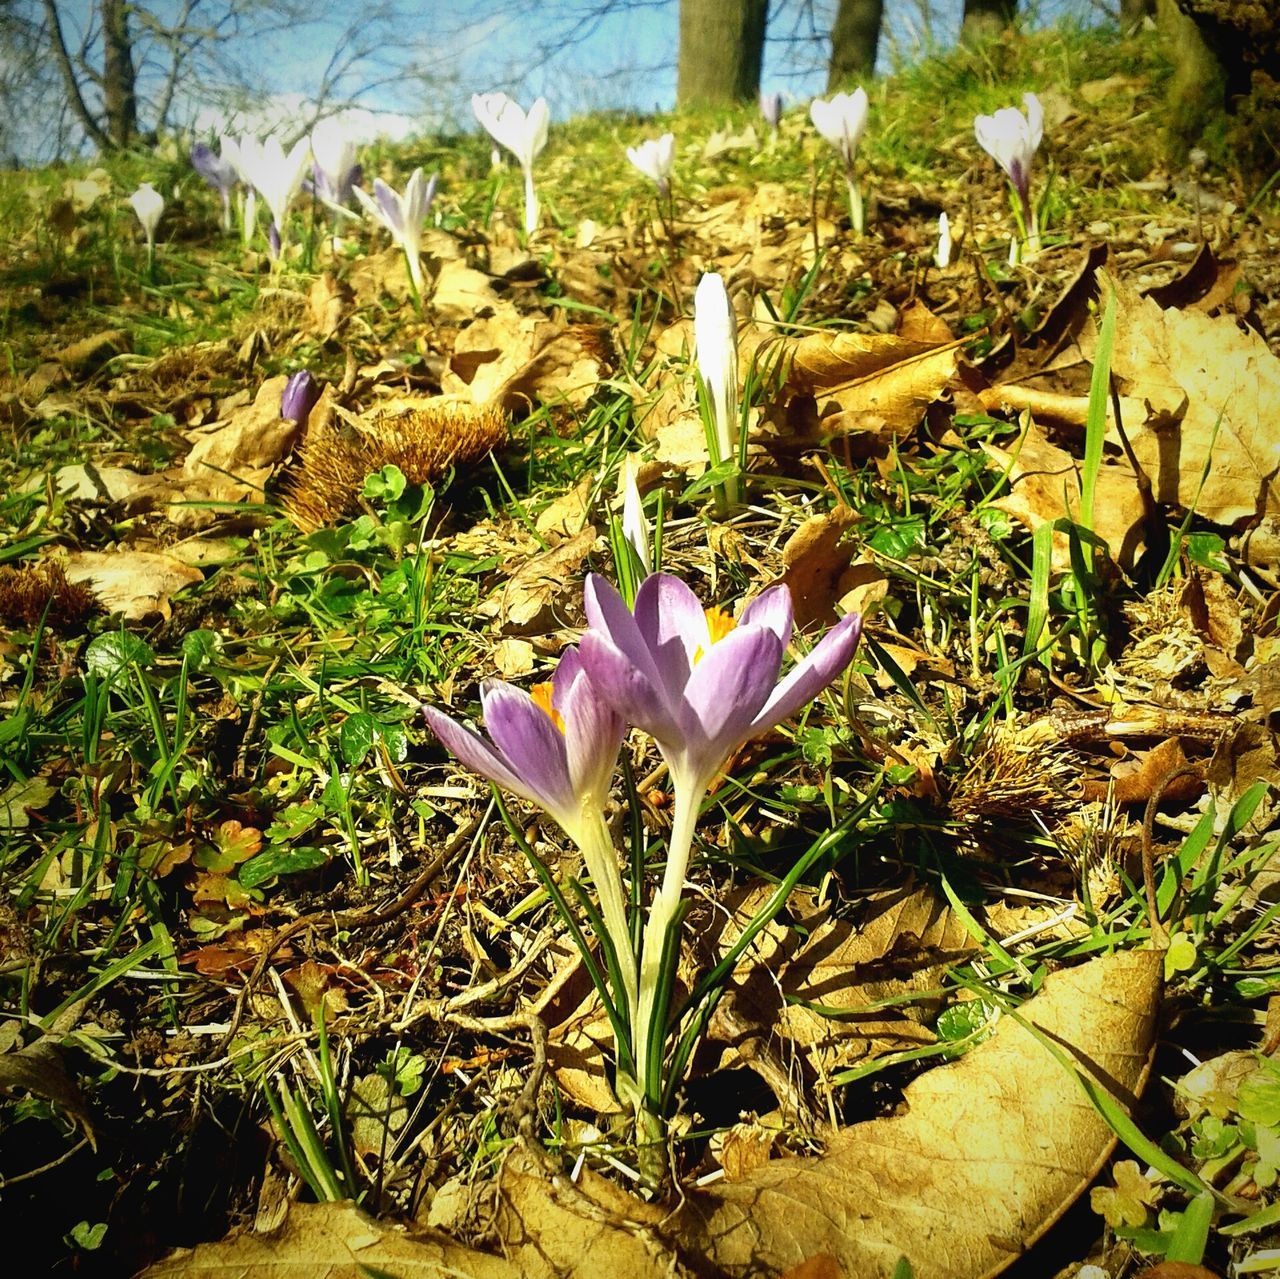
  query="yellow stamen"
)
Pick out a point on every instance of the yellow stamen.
point(719, 624)
point(541, 694)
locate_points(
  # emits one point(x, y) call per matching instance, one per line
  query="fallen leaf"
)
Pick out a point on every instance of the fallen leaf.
point(462, 293)
point(89, 353)
point(1006, 1131)
point(568, 514)
point(329, 301)
point(814, 559)
point(1212, 395)
point(826, 984)
point(135, 584)
point(541, 594)
point(230, 461)
point(332, 1241)
point(88, 482)
point(1044, 485)
point(875, 382)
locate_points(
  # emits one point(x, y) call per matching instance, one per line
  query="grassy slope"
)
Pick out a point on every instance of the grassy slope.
point(123, 885)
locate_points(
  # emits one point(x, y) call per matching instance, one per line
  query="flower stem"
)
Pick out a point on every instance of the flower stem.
point(662, 913)
point(857, 215)
point(601, 860)
point(530, 202)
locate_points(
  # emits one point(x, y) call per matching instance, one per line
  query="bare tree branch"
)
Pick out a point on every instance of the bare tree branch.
point(63, 59)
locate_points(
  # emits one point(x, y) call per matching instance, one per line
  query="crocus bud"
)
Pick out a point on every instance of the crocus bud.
point(715, 336)
point(942, 254)
point(273, 240)
point(300, 395)
point(635, 527)
point(771, 108)
point(148, 204)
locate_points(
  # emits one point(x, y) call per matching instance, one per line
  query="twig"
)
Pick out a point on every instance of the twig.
point(348, 919)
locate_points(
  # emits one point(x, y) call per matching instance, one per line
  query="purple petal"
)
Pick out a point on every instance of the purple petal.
point(619, 683)
point(472, 750)
point(300, 395)
point(832, 653)
point(389, 202)
point(673, 625)
point(772, 610)
point(531, 744)
point(212, 168)
point(727, 689)
point(609, 616)
point(592, 728)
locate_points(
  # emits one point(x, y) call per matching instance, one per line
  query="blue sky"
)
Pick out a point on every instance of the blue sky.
point(622, 52)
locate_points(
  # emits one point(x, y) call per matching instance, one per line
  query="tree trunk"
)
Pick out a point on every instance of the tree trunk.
point(119, 87)
point(721, 51)
point(1196, 91)
point(986, 18)
point(1134, 12)
point(855, 33)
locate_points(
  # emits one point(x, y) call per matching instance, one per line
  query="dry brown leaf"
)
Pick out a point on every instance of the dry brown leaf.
point(329, 301)
point(814, 561)
point(1044, 485)
point(231, 461)
point(332, 1241)
point(515, 360)
point(89, 353)
point(135, 584)
point(897, 948)
point(541, 593)
point(1212, 391)
point(876, 382)
point(569, 513)
point(461, 292)
point(88, 482)
point(1006, 1132)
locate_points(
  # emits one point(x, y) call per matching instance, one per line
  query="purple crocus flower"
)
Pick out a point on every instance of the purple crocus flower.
point(698, 682)
point(219, 172)
point(300, 395)
point(557, 749)
point(403, 216)
point(334, 165)
point(1012, 138)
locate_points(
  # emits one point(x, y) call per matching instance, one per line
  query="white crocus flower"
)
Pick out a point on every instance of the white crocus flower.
point(715, 335)
point(654, 158)
point(403, 216)
point(523, 134)
point(277, 176)
point(148, 204)
point(842, 120)
point(1012, 138)
point(942, 254)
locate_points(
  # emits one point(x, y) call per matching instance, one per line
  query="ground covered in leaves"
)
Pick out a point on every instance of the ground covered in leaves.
point(265, 947)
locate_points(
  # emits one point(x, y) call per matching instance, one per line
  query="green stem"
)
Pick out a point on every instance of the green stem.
point(601, 860)
point(662, 913)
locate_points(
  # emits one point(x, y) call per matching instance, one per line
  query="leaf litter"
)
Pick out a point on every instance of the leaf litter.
point(304, 848)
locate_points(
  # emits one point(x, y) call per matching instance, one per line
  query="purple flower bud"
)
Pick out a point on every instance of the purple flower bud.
point(300, 395)
point(216, 171)
point(273, 240)
point(771, 108)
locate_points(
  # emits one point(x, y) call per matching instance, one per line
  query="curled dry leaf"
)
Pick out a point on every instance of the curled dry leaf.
point(543, 591)
point(881, 383)
point(517, 360)
point(1044, 485)
point(231, 461)
point(827, 985)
